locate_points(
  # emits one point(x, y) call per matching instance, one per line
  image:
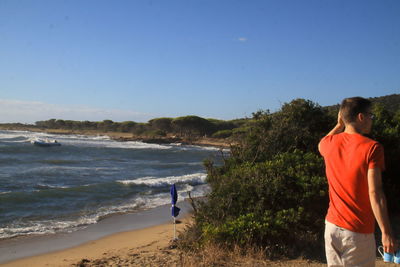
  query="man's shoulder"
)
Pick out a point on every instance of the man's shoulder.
point(331, 137)
point(327, 142)
point(368, 140)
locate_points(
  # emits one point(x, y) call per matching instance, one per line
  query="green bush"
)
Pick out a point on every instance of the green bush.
point(272, 192)
point(154, 133)
point(278, 204)
point(222, 134)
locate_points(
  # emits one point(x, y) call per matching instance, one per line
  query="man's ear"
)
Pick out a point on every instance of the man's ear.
point(360, 117)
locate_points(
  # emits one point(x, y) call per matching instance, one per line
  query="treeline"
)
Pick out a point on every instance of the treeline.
point(187, 126)
point(271, 193)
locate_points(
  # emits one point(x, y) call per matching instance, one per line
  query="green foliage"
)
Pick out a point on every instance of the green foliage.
point(192, 125)
point(162, 124)
point(386, 130)
point(278, 204)
point(154, 133)
point(222, 134)
point(298, 125)
point(390, 102)
point(188, 126)
point(272, 191)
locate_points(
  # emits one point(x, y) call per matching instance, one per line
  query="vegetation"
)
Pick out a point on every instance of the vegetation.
point(271, 193)
point(187, 127)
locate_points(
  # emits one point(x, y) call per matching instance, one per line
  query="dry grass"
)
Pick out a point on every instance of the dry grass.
point(211, 256)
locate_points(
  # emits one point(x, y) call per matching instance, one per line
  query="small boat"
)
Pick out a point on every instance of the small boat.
point(46, 142)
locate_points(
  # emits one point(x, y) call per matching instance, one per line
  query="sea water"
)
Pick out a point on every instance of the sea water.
point(61, 189)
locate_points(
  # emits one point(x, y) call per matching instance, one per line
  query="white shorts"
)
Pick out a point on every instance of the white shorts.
point(347, 248)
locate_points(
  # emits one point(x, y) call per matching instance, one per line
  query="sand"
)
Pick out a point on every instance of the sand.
point(124, 249)
point(151, 246)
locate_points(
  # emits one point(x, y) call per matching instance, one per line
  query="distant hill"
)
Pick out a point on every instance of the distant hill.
point(390, 102)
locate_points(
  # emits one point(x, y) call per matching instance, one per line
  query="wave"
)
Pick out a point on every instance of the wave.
point(84, 141)
point(19, 135)
point(45, 227)
point(93, 141)
point(40, 227)
point(102, 141)
point(83, 218)
point(195, 178)
point(48, 186)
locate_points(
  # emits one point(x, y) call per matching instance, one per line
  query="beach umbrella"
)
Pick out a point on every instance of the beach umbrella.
point(174, 209)
point(174, 198)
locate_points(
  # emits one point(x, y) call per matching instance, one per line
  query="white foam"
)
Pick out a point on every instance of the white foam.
point(108, 143)
point(52, 226)
point(20, 134)
point(197, 178)
point(45, 227)
point(143, 202)
point(96, 141)
point(48, 186)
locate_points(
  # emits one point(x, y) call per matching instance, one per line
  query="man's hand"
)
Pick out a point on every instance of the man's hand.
point(339, 126)
point(340, 121)
point(379, 207)
point(390, 245)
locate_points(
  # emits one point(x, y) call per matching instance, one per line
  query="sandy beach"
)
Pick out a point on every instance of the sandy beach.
point(121, 249)
point(119, 236)
point(150, 246)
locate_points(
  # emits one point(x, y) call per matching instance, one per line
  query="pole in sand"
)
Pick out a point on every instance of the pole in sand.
point(174, 209)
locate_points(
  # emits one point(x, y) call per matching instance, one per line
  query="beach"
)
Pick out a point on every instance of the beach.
point(123, 249)
point(149, 246)
point(119, 235)
point(98, 202)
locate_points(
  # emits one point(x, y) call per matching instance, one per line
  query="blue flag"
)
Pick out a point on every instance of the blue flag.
point(174, 198)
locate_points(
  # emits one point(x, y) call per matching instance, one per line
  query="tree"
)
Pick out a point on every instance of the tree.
point(192, 125)
point(127, 126)
point(162, 124)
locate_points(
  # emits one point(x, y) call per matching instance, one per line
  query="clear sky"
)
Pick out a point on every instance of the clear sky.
point(141, 59)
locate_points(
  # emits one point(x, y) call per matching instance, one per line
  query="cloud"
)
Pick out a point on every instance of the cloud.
point(12, 111)
point(242, 39)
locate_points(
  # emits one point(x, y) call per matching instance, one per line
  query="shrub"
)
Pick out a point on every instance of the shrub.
point(222, 134)
point(272, 192)
point(278, 204)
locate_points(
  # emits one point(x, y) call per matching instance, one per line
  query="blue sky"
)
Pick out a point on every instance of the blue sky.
point(137, 60)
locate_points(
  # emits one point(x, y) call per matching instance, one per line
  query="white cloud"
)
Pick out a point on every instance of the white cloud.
point(242, 39)
point(29, 112)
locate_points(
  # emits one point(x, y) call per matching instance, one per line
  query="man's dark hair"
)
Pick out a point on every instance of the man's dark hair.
point(352, 106)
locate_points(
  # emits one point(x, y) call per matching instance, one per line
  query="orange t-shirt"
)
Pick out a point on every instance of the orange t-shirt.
point(347, 159)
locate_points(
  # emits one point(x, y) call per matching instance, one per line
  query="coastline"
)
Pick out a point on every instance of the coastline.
point(121, 249)
point(15, 251)
point(124, 137)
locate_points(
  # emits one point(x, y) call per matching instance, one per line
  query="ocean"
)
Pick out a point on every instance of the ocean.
point(46, 190)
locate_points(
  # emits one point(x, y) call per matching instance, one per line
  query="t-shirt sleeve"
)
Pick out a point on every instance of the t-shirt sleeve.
point(377, 157)
point(323, 144)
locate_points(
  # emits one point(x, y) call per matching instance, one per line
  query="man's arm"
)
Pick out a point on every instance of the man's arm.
point(379, 207)
point(339, 128)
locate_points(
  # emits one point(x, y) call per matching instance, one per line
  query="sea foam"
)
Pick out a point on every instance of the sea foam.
point(195, 178)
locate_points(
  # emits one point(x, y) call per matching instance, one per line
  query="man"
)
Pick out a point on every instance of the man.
point(353, 168)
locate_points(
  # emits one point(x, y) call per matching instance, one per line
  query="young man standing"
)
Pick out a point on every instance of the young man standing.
point(353, 168)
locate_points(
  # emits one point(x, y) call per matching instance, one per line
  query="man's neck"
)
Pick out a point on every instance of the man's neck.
point(352, 129)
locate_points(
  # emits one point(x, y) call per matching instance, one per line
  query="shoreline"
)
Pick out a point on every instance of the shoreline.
point(120, 249)
point(19, 249)
point(125, 137)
